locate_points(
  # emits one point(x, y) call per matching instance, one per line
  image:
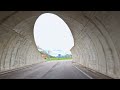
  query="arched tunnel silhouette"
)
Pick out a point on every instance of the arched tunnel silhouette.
point(96, 37)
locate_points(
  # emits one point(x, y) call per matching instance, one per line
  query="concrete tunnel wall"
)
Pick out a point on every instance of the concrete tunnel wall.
point(96, 37)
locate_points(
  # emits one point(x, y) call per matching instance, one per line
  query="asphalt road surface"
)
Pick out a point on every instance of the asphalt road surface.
point(47, 70)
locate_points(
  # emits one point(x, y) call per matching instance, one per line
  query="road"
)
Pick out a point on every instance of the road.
point(48, 70)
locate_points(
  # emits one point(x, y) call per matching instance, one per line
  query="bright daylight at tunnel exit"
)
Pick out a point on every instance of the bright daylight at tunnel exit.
point(53, 37)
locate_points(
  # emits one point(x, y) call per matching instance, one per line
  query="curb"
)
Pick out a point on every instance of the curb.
point(20, 68)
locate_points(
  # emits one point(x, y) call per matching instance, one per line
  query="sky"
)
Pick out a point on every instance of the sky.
point(52, 33)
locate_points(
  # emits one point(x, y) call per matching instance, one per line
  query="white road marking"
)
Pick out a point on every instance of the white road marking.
point(83, 72)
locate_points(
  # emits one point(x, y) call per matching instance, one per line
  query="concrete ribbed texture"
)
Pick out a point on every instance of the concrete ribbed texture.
point(96, 36)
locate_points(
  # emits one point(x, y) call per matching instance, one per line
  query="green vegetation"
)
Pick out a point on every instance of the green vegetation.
point(55, 58)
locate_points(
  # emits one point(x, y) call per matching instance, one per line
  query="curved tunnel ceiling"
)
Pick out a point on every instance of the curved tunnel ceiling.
point(96, 37)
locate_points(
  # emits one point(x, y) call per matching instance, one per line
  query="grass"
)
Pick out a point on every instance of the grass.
point(52, 59)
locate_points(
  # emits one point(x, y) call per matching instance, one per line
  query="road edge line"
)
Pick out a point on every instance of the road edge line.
point(83, 72)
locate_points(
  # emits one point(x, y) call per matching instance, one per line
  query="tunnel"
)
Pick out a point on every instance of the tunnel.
point(96, 39)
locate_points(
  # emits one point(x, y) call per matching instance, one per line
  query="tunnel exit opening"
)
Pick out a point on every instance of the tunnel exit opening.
point(53, 37)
